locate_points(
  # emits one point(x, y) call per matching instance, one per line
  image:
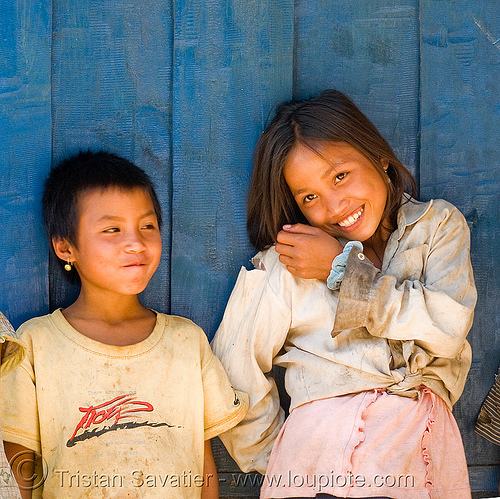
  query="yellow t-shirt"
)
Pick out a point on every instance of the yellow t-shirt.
point(118, 421)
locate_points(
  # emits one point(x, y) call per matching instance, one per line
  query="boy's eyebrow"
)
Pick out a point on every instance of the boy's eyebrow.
point(149, 213)
point(119, 218)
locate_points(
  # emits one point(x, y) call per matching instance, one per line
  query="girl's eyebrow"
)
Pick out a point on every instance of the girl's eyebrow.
point(333, 166)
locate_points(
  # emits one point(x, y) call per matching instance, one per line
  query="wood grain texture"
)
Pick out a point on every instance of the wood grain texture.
point(460, 107)
point(25, 126)
point(232, 482)
point(232, 64)
point(369, 50)
point(184, 89)
point(112, 89)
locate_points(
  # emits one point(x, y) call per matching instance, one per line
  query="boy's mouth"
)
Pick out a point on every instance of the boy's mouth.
point(351, 219)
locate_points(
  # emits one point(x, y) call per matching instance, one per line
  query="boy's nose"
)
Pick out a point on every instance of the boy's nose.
point(135, 244)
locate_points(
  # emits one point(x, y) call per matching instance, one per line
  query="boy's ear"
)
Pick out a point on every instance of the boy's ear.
point(63, 249)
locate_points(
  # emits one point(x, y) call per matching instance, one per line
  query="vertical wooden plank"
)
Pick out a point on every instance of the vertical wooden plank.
point(370, 51)
point(25, 124)
point(112, 67)
point(233, 62)
point(460, 162)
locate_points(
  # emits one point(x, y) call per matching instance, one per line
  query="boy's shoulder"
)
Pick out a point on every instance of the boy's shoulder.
point(176, 322)
point(42, 323)
point(178, 328)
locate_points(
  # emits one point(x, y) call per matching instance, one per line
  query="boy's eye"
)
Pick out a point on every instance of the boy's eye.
point(149, 226)
point(111, 230)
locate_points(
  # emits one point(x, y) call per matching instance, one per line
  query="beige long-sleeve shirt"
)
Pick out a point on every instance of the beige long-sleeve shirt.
point(394, 329)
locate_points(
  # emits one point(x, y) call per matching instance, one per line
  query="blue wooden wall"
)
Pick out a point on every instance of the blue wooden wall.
point(184, 88)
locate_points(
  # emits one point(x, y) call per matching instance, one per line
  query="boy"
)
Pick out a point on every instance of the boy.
point(12, 352)
point(116, 398)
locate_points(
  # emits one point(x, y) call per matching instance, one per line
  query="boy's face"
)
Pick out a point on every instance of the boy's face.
point(118, 240)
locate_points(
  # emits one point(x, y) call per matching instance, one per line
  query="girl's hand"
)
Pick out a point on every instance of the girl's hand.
point(307, 252)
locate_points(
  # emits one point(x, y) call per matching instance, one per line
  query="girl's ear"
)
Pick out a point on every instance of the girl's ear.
point(63, 249)
point(385, 163)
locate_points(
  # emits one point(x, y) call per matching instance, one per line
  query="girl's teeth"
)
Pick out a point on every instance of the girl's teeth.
point(350, 220)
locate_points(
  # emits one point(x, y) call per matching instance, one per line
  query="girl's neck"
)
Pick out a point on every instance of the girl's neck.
point(374, 248)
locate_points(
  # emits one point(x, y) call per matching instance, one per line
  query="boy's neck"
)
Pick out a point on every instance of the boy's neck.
point(113, 320)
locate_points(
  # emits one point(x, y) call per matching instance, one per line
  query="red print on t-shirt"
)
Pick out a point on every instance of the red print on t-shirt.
point(123, 407)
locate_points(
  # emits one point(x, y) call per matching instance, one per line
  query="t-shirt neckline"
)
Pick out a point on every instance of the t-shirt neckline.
point(66, 329)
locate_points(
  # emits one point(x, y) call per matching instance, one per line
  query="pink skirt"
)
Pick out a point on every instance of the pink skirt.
point(369, 444)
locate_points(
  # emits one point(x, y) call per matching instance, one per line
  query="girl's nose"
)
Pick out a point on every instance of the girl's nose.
point(335, 206)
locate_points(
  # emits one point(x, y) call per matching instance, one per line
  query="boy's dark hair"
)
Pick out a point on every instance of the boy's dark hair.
point(329, 117)
point(80, 173)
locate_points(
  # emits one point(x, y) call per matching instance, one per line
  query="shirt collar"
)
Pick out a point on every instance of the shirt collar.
point(410, 212)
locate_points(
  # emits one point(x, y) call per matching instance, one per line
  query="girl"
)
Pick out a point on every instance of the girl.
point(365, 296)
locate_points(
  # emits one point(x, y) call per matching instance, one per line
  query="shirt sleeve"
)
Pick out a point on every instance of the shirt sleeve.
point(224, 407)
point(252, 332)
point(19, 410)
point(434, 309)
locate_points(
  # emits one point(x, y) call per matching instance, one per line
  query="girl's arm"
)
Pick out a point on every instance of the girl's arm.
point(434, 306)
point(22, 461)
point(210, 489)
point(252, 332)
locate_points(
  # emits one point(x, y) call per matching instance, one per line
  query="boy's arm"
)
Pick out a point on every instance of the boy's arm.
point(22, 462)
point(210, 488)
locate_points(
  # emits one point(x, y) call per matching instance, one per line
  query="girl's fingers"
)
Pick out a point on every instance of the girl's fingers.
point(284, 239)
point(284, 257)
point(293, 238)
point(300, 229)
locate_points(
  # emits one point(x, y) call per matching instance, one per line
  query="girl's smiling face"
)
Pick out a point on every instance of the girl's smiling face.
point(340, 191)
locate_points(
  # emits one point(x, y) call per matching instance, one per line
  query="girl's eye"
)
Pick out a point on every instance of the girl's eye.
point(309, 198)
point(340, 176)
point(111, 230)
point(150, 226)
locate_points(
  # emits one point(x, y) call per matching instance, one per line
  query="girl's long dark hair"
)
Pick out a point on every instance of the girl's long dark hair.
point(329, 117)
